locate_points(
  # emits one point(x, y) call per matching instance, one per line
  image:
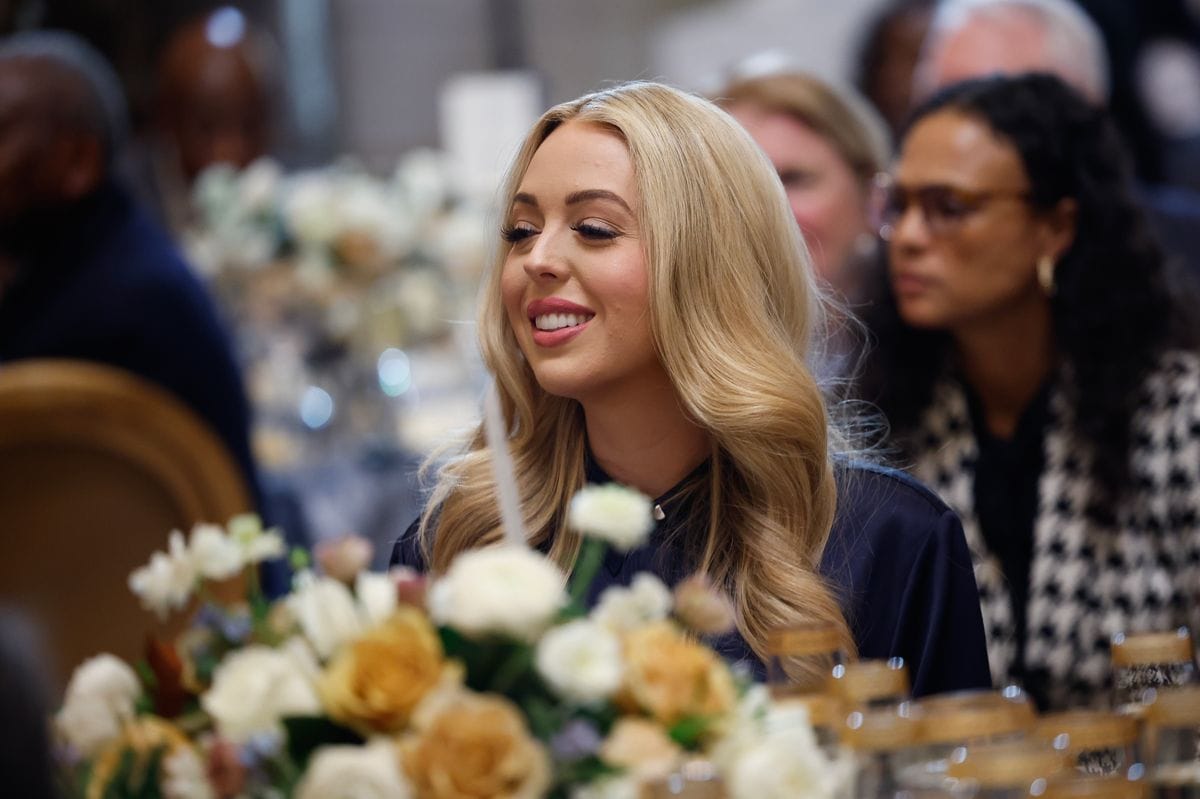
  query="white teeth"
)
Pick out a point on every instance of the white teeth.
point(556, 321)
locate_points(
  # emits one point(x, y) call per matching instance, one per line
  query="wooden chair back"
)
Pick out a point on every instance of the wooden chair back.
point(97, 466)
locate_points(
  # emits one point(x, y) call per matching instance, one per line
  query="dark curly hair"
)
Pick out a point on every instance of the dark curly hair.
point(1112, 312)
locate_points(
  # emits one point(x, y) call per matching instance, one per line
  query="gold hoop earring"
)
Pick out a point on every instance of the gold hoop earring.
point(1045, 275)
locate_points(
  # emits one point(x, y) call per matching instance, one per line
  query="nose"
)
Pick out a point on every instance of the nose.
point(908, 228)
point(547, 259)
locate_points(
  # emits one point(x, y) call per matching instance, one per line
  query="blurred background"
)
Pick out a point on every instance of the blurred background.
point(328, 169)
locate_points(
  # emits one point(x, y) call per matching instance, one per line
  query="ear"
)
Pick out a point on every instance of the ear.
point(1059, 228)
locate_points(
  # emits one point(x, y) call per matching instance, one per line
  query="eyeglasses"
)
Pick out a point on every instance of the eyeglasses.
point(943, 208)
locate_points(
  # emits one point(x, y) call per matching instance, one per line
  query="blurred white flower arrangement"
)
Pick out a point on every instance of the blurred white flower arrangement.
point(324, 272)
point(338, 230)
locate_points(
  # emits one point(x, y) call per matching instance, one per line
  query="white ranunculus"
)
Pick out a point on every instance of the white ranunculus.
point(215, 555)
point(100, 697)
point(326, 611)
point(256, 543)
point(166, 582)
point(581, 660)
point(184, 776)
point(645, 601)
point(354, 772)
point(377, 596)
point(614, 513)
point(507, 590)
point(254, 688)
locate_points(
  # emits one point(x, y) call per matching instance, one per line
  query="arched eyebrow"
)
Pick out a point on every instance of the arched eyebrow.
point(575, 197)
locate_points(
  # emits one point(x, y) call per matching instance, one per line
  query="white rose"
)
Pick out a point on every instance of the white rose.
point(645, 601)
point(377, 596)
point(354, 772)
point(214, 554)
point(326, 611)
point(581, 661)
point(185, 777)
point(614, 513)
point(258, 186)
point(509, 590)
point(254, 688)
point(770, 750)
point(100, 697)
point(256, 544)
point(784, 764)
point(166, 582)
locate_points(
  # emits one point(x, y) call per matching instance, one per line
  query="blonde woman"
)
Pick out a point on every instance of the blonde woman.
point(647, 320)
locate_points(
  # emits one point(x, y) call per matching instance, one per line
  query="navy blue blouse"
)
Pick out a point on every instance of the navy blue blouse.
point(896, 558)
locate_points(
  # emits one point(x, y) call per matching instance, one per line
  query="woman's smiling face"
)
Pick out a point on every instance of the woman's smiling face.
point(575, 283)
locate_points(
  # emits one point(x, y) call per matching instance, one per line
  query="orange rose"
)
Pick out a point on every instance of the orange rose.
point(475, 746)
point(375, 682)
point(671, 677)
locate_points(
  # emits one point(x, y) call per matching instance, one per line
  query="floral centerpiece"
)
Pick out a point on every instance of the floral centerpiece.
point(492, 681)
point(331, 277)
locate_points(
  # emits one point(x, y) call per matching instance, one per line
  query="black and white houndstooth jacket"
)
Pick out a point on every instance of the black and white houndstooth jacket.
point(1088, 579)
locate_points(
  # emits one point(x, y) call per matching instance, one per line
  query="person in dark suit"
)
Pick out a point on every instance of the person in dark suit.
point(648, 320)
point(85, 273)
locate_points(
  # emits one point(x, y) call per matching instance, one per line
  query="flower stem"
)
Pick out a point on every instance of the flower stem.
point(591, 556)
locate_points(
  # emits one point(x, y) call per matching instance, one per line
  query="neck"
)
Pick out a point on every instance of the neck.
point(643, 439)
point(1005, 362)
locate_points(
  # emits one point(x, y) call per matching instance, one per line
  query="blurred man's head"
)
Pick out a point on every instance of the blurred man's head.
point(62, 118)
point(214, 95)
point(972, 38)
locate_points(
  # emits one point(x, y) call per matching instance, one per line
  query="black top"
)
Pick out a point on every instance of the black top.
point(104, 283)
point(1006, 501)
point(896, 557)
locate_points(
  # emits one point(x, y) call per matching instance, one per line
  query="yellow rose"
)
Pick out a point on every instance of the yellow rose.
point(376, 681)
point(671, 677)
point(641, 747)
point(475, 746)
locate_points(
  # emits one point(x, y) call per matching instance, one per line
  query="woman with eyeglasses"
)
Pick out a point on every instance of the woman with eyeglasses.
point(1035, 371)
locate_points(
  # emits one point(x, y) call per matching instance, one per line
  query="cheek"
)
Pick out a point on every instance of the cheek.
point(512, 292)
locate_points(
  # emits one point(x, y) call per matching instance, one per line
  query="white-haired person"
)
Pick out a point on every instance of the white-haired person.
point(975, 38)
point(647, 318)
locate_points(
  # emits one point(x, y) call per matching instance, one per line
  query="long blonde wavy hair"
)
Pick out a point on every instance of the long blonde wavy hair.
point(732, 303)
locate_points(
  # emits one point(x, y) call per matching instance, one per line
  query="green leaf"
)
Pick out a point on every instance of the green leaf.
point(306, 733)
point(688, 732)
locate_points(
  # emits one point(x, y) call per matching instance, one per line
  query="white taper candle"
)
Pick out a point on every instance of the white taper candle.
point(502, 468)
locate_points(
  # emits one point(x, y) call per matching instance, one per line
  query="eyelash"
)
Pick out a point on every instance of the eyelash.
point(513, 234)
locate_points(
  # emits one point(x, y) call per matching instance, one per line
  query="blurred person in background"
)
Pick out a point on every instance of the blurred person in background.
point(827, 147)
point(212, 105)
point(888, 55)
point(89, 275)
point(972, 38)
point(1036, 371)
point(26, 765)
